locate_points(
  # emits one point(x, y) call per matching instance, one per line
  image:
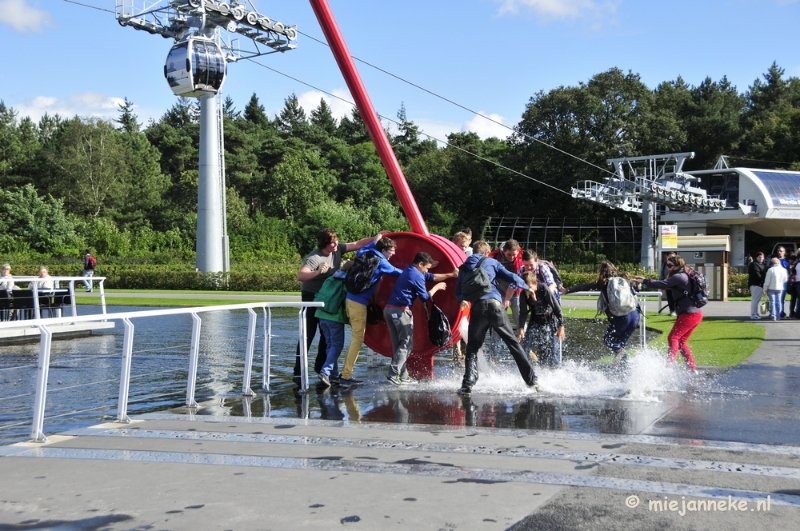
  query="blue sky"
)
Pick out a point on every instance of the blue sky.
point(491, 56)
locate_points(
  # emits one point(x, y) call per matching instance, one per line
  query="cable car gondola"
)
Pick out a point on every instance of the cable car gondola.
point(196, 67)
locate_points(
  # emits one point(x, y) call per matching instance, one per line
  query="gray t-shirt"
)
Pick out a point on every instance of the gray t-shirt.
point(314, 259)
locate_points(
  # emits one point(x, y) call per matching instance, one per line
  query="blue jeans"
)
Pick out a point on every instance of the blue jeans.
point(556, 350)
point(333, 333)
point(88, 273)
point(775, 304)
point(620, 329)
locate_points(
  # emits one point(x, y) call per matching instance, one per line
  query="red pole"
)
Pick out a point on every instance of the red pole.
point(331, 30)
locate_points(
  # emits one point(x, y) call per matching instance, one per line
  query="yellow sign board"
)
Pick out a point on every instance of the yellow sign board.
point(669, 237)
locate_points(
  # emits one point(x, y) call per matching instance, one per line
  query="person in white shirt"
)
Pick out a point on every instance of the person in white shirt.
point(6, 280)
point(47, 284)
point(774, 282)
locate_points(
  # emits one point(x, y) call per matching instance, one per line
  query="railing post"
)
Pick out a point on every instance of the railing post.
point(194, 354)
point(643, 323)
point(267, 352)
point(125, 372)
point(248, 357)
point(102, 296)
point(36, 311)
point(303, 351)
point(37, 430)
point(73, 304)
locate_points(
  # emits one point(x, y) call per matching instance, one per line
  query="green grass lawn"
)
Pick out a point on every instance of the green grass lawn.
point(715, 343)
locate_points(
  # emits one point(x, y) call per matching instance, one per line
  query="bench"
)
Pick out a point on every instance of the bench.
point(19, 303)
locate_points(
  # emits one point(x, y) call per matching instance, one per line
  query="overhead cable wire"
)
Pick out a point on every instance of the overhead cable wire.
point(421, 132)
point(476, 113)
point(90, 6)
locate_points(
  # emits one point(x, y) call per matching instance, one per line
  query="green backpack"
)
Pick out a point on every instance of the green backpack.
point(333, 294)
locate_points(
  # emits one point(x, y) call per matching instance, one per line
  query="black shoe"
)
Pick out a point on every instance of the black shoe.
point(534, 386)
point(464, 391)
point(334, 378)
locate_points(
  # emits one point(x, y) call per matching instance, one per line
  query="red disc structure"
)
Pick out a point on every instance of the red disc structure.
point(445, 252)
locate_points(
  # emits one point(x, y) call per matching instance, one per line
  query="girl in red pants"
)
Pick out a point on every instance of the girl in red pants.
point(689, 315)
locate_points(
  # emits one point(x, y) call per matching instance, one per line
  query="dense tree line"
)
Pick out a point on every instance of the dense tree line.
point(131, 190)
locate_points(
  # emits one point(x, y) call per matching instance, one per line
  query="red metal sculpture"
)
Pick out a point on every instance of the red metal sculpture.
point(448, 255)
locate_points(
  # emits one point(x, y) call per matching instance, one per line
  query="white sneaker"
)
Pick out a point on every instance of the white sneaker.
point(755, 317)
point(672, 314)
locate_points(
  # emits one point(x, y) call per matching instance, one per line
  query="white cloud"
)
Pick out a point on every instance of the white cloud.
point(480, 126)
point(22, 17)
point(486, 128)
point(87, 104)
point(550, 8)
point(310, 101)
point(596, 11)
point(438, 130)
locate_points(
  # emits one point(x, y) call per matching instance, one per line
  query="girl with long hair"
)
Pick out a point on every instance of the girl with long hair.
point(689, 315)
point(620, 327)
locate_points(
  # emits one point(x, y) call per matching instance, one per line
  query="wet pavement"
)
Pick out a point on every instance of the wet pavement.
point(655, 449)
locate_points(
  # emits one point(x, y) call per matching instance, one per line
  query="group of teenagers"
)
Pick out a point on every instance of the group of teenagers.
point(777, 278)
point(514, 278)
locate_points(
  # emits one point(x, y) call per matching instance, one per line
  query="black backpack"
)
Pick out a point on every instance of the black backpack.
point(439, 330)
point(359, 276)
point(699, 286)
point(476, 283)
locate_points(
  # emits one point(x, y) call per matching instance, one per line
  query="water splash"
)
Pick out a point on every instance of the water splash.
point(646, 376)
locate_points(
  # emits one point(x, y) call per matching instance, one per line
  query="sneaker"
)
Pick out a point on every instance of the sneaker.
point(89, 290)
point(323, 378)
point(346, 383)
point(619, 357)
point(393, 379)
point(755, 317)
point(335, 378)
point(464, 391)
point(534, 386)
point(672, 314)
point(408, 380)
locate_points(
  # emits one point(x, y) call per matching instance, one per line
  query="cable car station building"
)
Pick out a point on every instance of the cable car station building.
point(766, 202)
point(712, 209)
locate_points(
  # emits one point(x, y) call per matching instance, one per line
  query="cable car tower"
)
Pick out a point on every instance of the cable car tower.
point(640, 184)
point(196, 67)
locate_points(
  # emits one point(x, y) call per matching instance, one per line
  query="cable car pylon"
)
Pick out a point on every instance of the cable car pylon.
point(196, 67)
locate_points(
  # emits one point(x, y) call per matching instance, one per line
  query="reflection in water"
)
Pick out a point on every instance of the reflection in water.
point(579, 395)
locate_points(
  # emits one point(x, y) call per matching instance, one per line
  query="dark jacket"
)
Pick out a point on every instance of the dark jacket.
point(546, 304)
point(756, 273)
point(680, 286)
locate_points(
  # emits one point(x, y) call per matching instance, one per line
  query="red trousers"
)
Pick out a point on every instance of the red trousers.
point(679, 335)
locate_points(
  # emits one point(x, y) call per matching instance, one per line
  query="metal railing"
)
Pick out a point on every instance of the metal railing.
point(641, 299)
point(35, 282)
point(37, 429)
